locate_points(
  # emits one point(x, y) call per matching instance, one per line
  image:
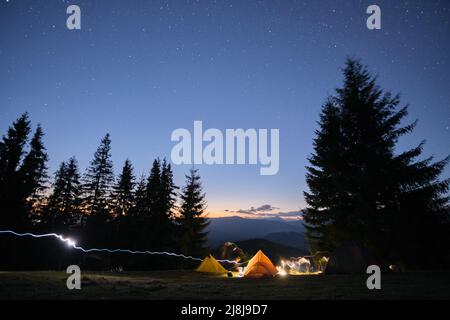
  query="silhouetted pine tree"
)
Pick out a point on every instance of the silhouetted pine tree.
point(160, 203)
point(123, 194)
point(360, 190)
point(53, 219)
point(153, 188)
point(64, 204)
point(165, 215)
point(140, 198)
point(138, 219)
point(167, 192)
point(98, 180)
point(324, 192)
point(12, 146)
point(191, 220)
point(97, 186)
point(12, 151)
point(33, 174)
point(73, 191)
point(22, 182)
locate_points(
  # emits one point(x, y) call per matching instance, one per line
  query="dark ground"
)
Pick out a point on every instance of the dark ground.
point(192, 285)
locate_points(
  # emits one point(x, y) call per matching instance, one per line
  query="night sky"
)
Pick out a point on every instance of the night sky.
point(140, 69)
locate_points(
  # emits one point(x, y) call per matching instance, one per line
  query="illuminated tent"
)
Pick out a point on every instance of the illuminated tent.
point(211, 265)
point(304, 265)
point(260, 266)
point(323, 263)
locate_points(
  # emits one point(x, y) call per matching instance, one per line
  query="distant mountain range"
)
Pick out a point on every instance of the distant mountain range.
point(276, 230)
point(274, 251)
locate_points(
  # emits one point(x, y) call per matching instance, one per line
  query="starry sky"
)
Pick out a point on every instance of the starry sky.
point(140, 69)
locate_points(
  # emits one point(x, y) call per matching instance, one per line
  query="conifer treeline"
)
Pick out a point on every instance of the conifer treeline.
point(97, 208)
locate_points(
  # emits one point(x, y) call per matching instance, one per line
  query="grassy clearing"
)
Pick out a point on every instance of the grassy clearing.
point(192, 285)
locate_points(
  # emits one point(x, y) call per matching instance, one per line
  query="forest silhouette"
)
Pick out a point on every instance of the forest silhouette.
point(360, 191)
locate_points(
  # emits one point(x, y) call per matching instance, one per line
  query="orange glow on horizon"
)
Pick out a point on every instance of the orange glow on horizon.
point(221, 213)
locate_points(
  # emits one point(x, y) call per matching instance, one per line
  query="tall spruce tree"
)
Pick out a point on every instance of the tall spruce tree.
point(12, 147)
point(360, 190)
point(98, 181)
point(168, 192)
point(73, 189)
point(191, 219)
point(160, 204)
point(153, 188)
point(324, 192)
point(33, 174)
point(64, 204)
point(53, 218)
point(140, 198)
point(12, 150)
point(123, 194)
point(55, 203)
point(138, 218)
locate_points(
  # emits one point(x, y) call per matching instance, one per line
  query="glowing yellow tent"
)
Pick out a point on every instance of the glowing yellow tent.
point(260, 266)
point(211, 265)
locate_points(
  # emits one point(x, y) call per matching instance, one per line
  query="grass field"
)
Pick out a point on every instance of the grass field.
point(192, 285)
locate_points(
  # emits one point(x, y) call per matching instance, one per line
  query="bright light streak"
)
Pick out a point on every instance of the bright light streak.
point(73, 245)
point(282, 271)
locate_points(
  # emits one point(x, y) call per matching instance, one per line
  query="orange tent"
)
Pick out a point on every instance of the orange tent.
point(260, 266)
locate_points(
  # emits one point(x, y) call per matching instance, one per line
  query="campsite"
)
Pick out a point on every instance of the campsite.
point(260, 279)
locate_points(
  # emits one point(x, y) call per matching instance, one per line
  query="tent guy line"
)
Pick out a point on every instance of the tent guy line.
point(73, 245)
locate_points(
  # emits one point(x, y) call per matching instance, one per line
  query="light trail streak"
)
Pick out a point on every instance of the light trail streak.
point(73, 245)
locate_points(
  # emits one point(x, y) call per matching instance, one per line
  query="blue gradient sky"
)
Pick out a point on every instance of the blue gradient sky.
point(140, 69)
